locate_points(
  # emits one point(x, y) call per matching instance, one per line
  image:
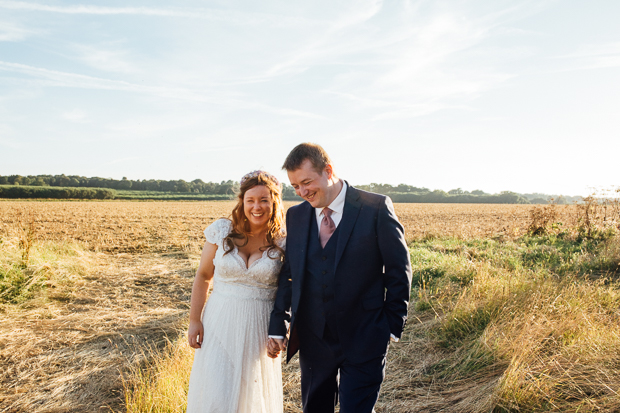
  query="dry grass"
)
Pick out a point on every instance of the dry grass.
point(535, 321)
point(41, 271)
point(466, 221)
point(412, 386)
point(563, 350)
point(68, 355)
point(160, 386)
point(117, 226)
point(68, 351)
point(121, 226)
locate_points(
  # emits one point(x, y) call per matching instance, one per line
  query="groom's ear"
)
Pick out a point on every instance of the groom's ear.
point(329, 170)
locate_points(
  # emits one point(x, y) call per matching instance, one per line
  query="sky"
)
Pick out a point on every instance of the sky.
point(486, 94)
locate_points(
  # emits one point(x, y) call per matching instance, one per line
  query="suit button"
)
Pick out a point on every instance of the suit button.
point(324, 286)
point(325, 299)
point(323, 258)
point(322, 312)
point(324, 272)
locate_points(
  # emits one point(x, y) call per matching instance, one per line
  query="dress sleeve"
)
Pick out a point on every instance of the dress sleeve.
point(217, 231)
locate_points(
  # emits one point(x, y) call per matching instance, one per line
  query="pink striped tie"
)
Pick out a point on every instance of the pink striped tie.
point(327, 227)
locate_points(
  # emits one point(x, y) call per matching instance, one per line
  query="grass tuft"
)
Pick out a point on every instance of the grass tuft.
point(540, 311)
point(161, 384)
point(45, 270)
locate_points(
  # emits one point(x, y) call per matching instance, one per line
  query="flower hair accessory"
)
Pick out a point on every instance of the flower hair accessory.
point(255, 174)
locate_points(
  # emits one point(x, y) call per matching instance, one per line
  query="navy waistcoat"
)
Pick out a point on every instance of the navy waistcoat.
point(317, 305)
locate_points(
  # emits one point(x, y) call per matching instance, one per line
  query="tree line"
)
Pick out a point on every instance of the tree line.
point(80, 187)
point(19, 191)
point(197, 186)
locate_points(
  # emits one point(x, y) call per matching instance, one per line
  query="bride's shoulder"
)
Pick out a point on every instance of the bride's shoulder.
point(218, 230)
point(281, 242)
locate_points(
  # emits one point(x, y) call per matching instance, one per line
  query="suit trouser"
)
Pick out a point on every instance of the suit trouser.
point(328, 377)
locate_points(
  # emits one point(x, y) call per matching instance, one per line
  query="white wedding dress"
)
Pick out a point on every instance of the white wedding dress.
point(231, 371)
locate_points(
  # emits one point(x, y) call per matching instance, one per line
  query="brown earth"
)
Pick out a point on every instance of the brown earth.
point(124, 226)
point(68, 354)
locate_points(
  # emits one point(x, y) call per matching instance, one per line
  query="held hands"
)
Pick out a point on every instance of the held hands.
point(275, 345)
point(195, 334)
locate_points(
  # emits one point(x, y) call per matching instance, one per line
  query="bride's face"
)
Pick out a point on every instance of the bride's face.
point(258, 206)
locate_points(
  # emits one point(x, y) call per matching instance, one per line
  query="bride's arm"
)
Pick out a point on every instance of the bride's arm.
point(202, 282)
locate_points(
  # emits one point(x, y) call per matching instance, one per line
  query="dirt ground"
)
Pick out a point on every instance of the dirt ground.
point(140, 227)
point(69, 357)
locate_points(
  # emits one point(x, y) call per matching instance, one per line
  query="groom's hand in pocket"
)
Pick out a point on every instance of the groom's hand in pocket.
point(195, 334)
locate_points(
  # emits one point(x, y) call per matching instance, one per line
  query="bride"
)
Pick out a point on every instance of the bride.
point(232, 370)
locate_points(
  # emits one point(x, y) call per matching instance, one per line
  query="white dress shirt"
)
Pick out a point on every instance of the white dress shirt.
point(337, 207)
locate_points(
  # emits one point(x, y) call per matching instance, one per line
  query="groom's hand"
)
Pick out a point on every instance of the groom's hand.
point(273, 349)
point(281, 342)
point(275, 345)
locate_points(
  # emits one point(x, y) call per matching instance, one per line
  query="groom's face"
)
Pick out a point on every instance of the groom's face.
point(314, 187)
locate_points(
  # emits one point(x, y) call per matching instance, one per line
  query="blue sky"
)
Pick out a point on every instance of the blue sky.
point(493, 95)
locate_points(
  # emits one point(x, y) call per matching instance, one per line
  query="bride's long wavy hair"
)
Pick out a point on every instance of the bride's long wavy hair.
point(240, 226)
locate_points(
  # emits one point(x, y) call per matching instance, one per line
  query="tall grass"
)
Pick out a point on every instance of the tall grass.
point(160, 384)
point(537, 312)
point(39, 270)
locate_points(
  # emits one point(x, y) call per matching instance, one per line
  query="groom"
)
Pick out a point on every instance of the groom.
point(344, 286)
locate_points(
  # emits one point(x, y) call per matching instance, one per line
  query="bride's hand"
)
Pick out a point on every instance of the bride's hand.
point(195, 334)
point(273, 349)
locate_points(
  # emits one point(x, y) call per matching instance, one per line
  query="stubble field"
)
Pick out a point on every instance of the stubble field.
point(172, 226)
point(119, 288)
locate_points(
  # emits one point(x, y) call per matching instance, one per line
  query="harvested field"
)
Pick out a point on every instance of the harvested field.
point(68, 352)
point(471, 220)
point(68, 356)
point(116, 226)
point(172, 226)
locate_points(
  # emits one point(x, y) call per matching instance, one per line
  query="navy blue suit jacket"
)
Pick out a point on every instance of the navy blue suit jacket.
point(372, 275)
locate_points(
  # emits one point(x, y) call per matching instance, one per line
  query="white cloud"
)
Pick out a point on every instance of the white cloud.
point(75, 115)
point(592, 56)
point(12, 32)
point(46, 77)
point(409, 62)
point(150, 126)
point(328, 44)
point(58, 78)
point(89, 9)
point(357, 13)
point(109, 60)
point(227, 16)
point(595, 50)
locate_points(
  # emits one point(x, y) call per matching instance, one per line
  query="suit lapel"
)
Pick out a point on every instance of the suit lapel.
point(301, 241)
point(350, 213)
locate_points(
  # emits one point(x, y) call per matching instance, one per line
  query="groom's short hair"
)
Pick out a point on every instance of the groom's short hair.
point(307, 151)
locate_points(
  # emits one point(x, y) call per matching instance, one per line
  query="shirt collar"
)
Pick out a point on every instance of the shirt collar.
point(337, 204)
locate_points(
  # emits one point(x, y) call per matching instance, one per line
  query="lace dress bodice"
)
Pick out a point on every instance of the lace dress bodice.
point(231, 268)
